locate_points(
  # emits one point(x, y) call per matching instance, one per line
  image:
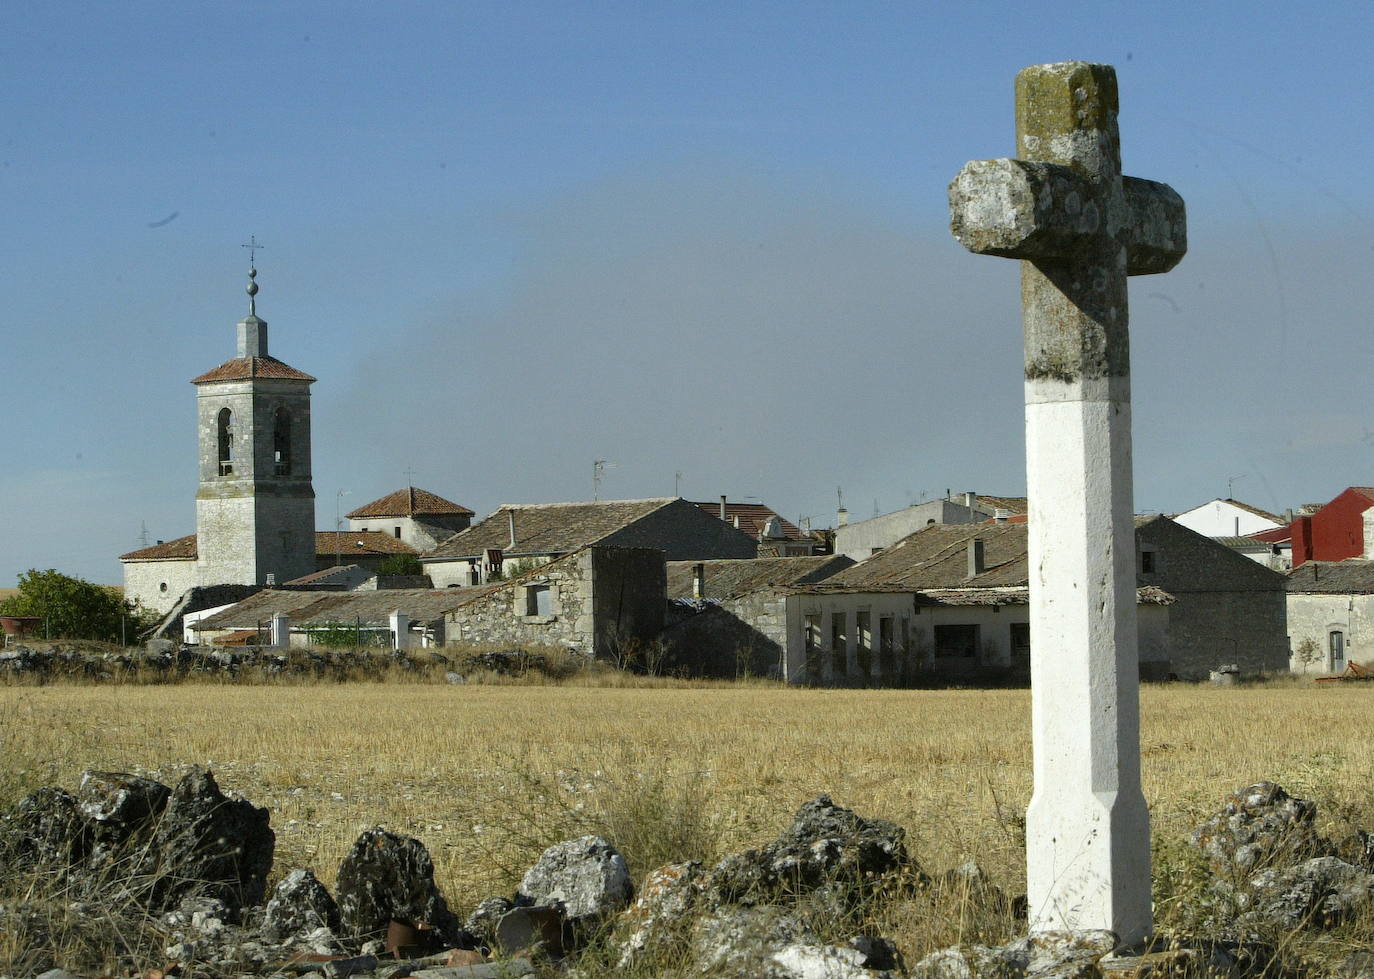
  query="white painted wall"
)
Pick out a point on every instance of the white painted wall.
point(1221, 518)
point(156, 585)
point(861, 539)
point(1315, 617)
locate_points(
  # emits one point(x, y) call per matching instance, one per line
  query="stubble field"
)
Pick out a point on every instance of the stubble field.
point(486, 776)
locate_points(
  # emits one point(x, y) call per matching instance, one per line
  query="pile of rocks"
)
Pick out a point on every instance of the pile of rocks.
point(1271, 874)
point(196, 861)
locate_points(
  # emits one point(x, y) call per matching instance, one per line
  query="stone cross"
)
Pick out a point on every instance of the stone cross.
point(1080, 228)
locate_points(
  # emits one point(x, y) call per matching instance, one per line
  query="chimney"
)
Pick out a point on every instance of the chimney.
point(510, 519)
point(975, 557)
point(722, 508)
point(841, 517)
point(699, 580)
point(970, 500)
point(271, 580)
point(1001, 515)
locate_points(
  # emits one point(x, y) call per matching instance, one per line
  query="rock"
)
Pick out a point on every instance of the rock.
point(298, 906)
point(454, 679)
point(1357, 965)
point(46, 829)
point(656, 922)
point(1260, 826)
point(1045, 955)
point(740, 941)
point(826, 846)
point(970, 886)
point(343, 968)
point(56, 974)
point(878, 953)
point(586, 875)
point(823, 962)
point(505, 969)
point(1358, 848)
point(521, 929)
point(119, 810)
point(211, 844)
point(481, 924)
point(1320, 892)
point(386, 876)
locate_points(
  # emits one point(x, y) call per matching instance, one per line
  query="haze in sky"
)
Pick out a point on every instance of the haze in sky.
point(709, 239)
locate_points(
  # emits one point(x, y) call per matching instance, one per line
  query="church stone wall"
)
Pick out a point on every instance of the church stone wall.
point(157, 585)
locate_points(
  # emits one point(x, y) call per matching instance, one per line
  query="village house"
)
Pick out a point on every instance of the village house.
point(1336, 531)
point(729, 618)
point(418, 517)
point(1331, 615)
point(776, 536)
point(598, 601)
point(1227, 518)
point(518, 537)
point(1228, 609)
point(864, 538)
point(402, 619)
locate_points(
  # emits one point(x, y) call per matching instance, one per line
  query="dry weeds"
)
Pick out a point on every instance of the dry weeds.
point(488, 775)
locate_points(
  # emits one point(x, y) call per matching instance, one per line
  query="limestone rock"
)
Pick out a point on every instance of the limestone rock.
point(209, 843)
point(119, 810)
point(1260, 826)
point(655, 922)
point(481, 924)
point(46, 829)
point(740, 941)
point(1322, 891)
point(1045, 955)
point(826, 846)
point(587, 875)
point(299, 905)
point(386, 876)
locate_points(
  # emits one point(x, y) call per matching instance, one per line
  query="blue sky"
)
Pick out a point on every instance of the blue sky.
point(510, 239)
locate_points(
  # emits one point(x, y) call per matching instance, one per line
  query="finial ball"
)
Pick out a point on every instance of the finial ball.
point(252, 289)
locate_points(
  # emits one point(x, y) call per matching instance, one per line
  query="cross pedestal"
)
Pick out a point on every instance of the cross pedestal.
point(1079, 228)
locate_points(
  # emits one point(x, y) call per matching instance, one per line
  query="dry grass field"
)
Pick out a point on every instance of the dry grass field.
point(487, 776)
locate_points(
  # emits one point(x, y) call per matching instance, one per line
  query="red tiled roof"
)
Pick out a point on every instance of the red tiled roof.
point(245, 368)
point(181, 549)
point(358, 542)
point(409, 502)
point(751, 518)
point(350, 542)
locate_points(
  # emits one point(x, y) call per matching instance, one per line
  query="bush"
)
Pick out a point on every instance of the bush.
point(76, 609)
point(400, 564)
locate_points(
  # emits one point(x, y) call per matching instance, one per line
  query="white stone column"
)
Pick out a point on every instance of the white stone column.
point(400, 630)
point(281, 630)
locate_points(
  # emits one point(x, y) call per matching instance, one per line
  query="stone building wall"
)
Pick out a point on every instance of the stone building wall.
point(157, 585)
point(1316, 616)
point(594, 597)
point(1228, 609)
point(685, 532)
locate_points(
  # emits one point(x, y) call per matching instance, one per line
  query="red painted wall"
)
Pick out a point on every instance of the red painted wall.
point(1333, 533)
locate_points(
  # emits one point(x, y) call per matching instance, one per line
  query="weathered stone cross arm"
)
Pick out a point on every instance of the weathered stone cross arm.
point(1049, 211)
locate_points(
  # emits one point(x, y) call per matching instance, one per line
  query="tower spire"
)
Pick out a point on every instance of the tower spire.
point(252, 288)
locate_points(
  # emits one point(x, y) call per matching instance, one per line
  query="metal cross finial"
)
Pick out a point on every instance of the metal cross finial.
point(252, 247)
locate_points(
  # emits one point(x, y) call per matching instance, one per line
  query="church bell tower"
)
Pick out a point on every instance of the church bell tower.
point(255, 505)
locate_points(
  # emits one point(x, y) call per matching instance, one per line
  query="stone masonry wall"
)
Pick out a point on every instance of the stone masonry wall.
point(501, 617)
point(1229, 609)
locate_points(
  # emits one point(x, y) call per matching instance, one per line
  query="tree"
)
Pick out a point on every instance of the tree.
point(74, 608)
point(400, 564)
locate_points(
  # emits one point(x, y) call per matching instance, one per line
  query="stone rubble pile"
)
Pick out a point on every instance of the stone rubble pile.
point(1272, 874)
point(196, 861)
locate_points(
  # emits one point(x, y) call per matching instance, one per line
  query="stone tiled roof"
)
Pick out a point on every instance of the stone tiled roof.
point(181, 549)
point(339, 571)
point(1012, 504)
point(751, 518)
point(306, 608)
point(937, 557)
point(350, 542)
point(245, 368)
point(1353, 576)
point(409, 502)
point(546, 528)
point(730, 579)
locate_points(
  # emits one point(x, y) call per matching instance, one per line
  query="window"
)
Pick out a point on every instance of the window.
point(1336, 643)
point(162, 587)
point(538, 600)
point(839, 642)
point(1149, 560)
point(813, 631)
point(956, 641)
point(398, 533)
point(887, 653)
point(281, 442)
point(224, 439)
point(1020, 644)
